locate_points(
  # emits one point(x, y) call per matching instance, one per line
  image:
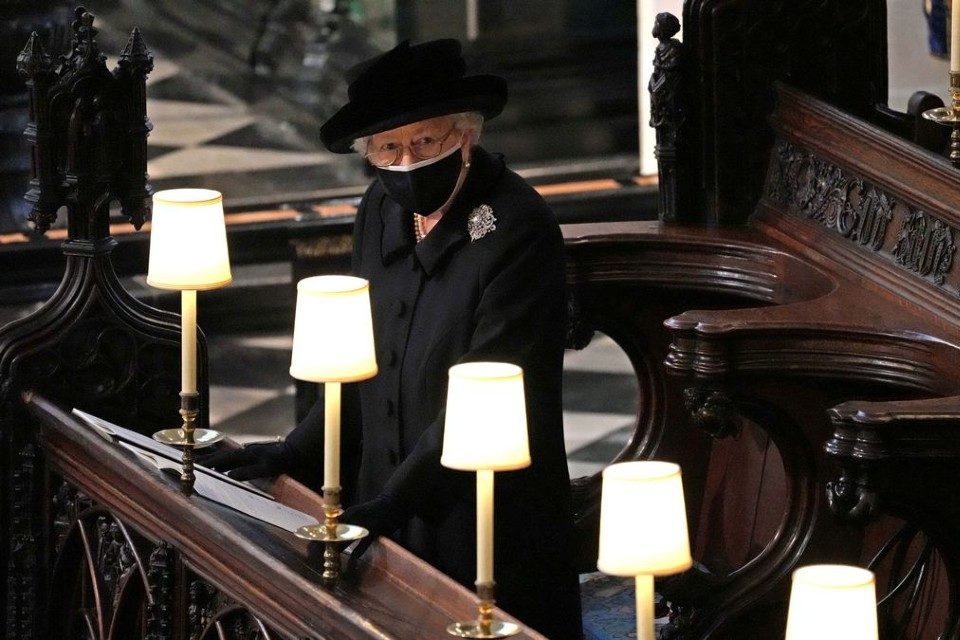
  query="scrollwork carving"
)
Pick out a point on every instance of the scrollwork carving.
point(810, 187)
point(925, 246)
point(876, 211)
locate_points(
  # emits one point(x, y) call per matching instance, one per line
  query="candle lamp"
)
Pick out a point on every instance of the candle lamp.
point(951, 115)
point(485, 430)
point(188, 252)
point(832, 602)
point(643, 529)
point(332, 344)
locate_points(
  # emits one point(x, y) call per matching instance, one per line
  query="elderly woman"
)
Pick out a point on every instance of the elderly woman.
point(465, 263)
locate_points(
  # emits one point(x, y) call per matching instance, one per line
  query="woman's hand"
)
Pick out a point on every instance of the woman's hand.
point(255, 460)
point(380, 516)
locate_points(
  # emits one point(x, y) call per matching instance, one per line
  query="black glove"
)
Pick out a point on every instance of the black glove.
point(255, 460)
point(381, 516)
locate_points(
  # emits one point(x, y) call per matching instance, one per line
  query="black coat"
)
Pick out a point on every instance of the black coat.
point(452, 299)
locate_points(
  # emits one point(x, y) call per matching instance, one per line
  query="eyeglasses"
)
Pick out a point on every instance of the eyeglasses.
point(423, 148)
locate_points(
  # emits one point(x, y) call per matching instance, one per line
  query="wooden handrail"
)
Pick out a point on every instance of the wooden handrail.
point(269, 571)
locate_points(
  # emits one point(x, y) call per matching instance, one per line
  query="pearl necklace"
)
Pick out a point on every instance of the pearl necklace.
point(419, 231)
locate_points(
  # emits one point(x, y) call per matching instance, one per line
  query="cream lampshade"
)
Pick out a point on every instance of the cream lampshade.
point(643, 529)
point(188, 252)
point(333, 330)
point(643, 522)
point(188, 241)
point(832, 602)
point(332, 343)
point(485, 430)
point(486, 418)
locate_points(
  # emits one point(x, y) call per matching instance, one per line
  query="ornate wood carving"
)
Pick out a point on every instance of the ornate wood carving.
point(88, 129)
point(851, 497)
point(713, 412)
point(159, 619)
point(899, 458)
point(22, 552)
point(807, 186)
point(269, 573)
point(810, 187)
point(103, 589)
point(916, 183)
point(92, 345)
point(925, 246)
point(114, 555)
point(235, 623)
point(203, 599)
point(50, 19)
point(666, 110)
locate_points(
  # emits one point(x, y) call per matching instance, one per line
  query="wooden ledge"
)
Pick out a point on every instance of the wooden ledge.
point(268, 570)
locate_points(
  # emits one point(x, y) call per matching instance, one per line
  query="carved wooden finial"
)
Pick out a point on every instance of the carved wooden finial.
point(33, 59)
point(135, 57)
point(89, 132)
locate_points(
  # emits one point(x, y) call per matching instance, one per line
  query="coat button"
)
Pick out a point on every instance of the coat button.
point(390, 407)
point(401, 308)
point(392, 456)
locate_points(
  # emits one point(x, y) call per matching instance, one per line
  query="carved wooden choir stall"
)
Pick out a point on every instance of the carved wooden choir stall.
point(793, 321)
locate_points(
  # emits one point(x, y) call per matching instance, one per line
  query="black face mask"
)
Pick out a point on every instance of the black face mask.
point(422, 187)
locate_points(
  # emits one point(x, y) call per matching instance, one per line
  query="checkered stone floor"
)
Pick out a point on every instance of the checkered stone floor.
point(205, 136)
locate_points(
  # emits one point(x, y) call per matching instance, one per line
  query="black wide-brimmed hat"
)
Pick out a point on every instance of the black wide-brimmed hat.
point(407, 84)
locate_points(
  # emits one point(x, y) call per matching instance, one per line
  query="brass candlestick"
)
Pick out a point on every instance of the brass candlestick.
point(188, 253)
point(485, 626)
point(950, 116)
point(189, 408)
point(332, 534)
point(188, 437)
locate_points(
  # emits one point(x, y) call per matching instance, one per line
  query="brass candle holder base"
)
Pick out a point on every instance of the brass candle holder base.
point(178, 437)
point(485, 625)
point(332, 534)
point(950, 116)
point(188, 437)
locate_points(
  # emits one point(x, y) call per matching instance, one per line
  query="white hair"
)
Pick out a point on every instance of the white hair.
point(467, 121)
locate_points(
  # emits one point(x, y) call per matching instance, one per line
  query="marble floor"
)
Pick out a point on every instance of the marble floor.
point(219, 125)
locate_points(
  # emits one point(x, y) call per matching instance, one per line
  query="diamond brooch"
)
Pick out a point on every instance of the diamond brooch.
point(481, 222)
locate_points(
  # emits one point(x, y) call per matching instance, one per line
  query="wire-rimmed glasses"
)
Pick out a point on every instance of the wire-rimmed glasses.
point(423, 148)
